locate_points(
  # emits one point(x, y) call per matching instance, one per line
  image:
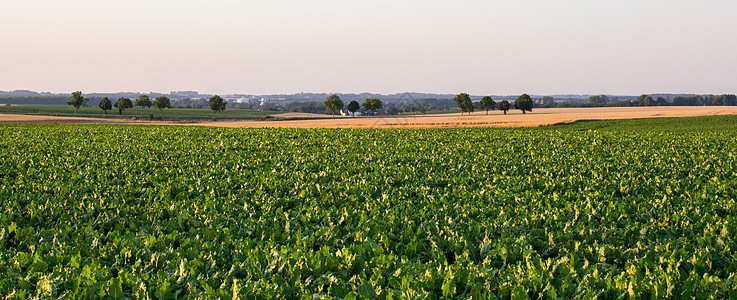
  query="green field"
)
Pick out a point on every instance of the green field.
point(174, 113)
point(611, 209)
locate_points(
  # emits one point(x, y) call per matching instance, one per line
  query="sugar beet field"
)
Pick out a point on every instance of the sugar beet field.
point(615, 209)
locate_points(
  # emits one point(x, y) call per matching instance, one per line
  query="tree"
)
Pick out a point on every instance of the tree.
point(725, 99)
point(143, 101)
point(730, 99)
point(217, 104)
point(645, 100)
point(660, 101)
point(487, 104)
point(105, 105)
point(523, 103)
point(77, 101)
point(333, 103)
point(122, 104)
point(463, 101)
point(688, 101)
point(353, 106)
point(548, 100)
point(408, 106)
point(373, 104)
point(504, 106)
point(469, 105)
point(162, 102)
point(599, 100)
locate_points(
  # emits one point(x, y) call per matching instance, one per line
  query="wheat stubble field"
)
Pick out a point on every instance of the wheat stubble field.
point(479, 119)
point(495, 119)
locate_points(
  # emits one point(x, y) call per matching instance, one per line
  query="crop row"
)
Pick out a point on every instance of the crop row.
point(166, 212)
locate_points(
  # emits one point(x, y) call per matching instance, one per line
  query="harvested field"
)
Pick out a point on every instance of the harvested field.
point(539, 117)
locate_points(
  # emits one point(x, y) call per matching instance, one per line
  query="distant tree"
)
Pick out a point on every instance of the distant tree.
point(77, 101)
point(105, 105)
point(730, 99)
point(712, 100)
point(599, 100)
point(700, 100)
point(594, 100)
point(217, 104)
point(372, 105)
point(504, 106)
point(548, 100)
point(463, 101)
point(421, 107)
point(660, 101)
point(469, 105)
point(333, 103)
point(122, 104)
point(408, 106)
point(645, 100)
point(353, 106)
point(688, 101)
point(604, 99)
point(725, 99)
point(143, 101)
point(523, 103)
point(162, 102)
point(460, 102)
point(392, 110)
point(487, 104)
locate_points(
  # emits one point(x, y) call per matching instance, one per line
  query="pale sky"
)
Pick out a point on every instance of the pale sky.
point(381, 46)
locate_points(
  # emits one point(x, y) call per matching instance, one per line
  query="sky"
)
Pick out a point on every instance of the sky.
point(540, 47)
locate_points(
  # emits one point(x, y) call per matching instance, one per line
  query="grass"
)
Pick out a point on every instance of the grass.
point(174, 113)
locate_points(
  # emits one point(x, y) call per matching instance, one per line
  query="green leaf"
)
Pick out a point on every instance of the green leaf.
point(449, 285)
point(209, 290)
point(115, 289)
point(366, 290)
point(519, 293)
point(74, 261)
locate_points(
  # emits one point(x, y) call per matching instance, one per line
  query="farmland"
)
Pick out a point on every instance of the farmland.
point(633, 208)
point(249, 118)
point(168, 114)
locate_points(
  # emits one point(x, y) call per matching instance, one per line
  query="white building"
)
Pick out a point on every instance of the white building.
point(345, 112)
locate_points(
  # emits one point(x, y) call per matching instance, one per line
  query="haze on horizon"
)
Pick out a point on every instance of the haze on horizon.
point(381, 46)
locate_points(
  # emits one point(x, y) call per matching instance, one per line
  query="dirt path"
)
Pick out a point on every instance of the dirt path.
point(539, 117)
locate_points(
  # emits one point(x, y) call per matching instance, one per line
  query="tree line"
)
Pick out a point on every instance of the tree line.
point(217, 103)
point(333, 103)
point(647, 100)
point(423, 105)
point(524, 103)
point(463, 101)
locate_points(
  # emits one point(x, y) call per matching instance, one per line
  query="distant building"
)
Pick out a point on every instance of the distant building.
point(345, 112)
point(187, 94)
